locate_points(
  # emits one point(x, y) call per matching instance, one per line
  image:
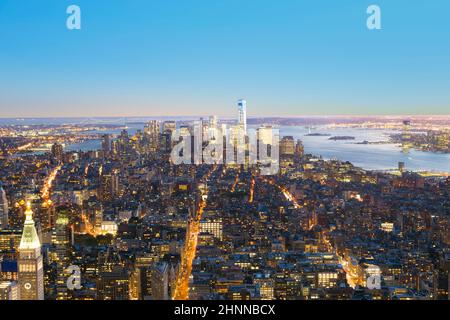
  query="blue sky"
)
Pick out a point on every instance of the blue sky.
point(197, 57)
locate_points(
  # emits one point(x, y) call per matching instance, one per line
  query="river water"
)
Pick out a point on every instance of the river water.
point(368, 156)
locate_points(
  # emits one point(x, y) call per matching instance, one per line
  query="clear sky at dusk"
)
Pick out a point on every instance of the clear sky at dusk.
point(197, 57)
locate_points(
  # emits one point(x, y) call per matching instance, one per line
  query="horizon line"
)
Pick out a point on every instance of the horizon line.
point(231, 117)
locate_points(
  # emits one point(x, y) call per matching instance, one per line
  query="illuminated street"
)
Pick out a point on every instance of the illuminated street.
point(45, 192)
point(181, 291)
point(288, 195)
point(252, 190)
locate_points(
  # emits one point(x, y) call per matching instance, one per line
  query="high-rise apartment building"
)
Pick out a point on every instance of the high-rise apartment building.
point(57, 152)
point(109, 184)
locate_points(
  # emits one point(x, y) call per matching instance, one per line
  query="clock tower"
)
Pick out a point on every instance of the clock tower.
point(31, 271)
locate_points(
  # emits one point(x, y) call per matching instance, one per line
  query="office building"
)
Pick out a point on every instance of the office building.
point(62, 246)
point(31, 272)
point(9, 290)
point(242, 114)
point(4, 219)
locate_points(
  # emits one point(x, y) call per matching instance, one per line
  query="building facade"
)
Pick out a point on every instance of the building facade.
point(31, 271)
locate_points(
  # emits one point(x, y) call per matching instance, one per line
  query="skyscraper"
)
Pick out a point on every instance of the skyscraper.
point(406, 136)
point(242, 118)
point(62, 242)
point(264, 135)
point(213, 121)
point(106, 144)
point(287, 151)
point(168, 127)
point(213, 131)
point(57, 152)
point(109, 184)
point(31, 271)
point(299, 149)
point(151, 132)
point(287, 146)
point(3, 209)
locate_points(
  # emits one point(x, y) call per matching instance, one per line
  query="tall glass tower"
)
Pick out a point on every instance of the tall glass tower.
point(242, 118)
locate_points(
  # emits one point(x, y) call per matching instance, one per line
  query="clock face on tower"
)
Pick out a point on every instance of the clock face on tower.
point(27, 286)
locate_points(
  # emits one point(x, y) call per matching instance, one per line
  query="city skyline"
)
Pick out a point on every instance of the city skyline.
point(200, 210)
point(258, 151)
point(160, 59)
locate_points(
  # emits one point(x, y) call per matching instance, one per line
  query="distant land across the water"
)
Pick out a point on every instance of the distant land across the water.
point(285, 120)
